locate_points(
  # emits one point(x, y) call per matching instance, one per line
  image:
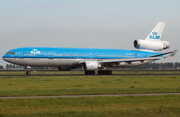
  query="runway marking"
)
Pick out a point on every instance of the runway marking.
point(106, 95)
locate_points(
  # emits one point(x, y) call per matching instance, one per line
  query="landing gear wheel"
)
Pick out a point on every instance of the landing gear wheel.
point(100, 72)
point(109, 72)
point(89, 72)
point(28, 72)
point(93, 72)
point(105, 72)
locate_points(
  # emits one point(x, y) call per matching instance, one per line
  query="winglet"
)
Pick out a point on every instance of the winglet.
point(173, 53)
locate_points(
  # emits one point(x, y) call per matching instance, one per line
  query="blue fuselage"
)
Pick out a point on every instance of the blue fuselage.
point(55, 56)
point(76, 53)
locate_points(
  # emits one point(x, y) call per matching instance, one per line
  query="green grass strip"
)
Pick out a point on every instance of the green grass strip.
point(82, 85)
point(128, 106)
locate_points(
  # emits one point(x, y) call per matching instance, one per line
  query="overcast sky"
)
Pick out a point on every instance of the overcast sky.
point(86, 23)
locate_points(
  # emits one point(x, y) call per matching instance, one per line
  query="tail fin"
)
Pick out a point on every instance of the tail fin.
point(156, 33)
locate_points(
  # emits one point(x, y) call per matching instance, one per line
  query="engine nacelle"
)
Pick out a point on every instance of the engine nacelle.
point(90, 65)
point(151, 45)
point(64, 68)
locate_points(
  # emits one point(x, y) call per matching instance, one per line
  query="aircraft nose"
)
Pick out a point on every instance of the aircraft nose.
point(4, 58)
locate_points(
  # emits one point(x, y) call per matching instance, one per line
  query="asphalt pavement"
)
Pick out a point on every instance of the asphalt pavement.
point(76, 96)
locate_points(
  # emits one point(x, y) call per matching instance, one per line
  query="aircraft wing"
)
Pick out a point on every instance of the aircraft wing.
point(130, 60)
point(154, 57)
point(106, 61)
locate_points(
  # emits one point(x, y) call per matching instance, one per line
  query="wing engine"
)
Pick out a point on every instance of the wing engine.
point(91, 65)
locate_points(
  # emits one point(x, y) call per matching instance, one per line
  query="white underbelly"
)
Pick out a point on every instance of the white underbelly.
point(43, 62)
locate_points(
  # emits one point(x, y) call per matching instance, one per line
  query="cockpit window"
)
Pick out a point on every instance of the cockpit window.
point(12, 53)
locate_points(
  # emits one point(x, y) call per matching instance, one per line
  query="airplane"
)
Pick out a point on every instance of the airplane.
point(93, 59)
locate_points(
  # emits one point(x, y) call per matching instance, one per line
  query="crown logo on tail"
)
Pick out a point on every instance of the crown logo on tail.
point(154, 36)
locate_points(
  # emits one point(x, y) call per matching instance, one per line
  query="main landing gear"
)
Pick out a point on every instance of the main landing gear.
point(100, 72)
point(107, 72)
point(89, 72)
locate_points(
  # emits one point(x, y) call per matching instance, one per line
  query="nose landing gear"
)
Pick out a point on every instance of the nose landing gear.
point(28, 70)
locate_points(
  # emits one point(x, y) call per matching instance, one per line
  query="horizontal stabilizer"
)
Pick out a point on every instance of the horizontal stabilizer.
point(173, 53)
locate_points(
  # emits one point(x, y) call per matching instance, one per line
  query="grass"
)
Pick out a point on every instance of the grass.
point(81, 85)
point(136, 106)
point(128, 106)
point(34, 72)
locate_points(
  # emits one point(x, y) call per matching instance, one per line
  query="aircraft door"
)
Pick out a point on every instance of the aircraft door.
point(50, 55)
point(91, 55)
point(139, 55)
point(50, 63)
point(21, 55)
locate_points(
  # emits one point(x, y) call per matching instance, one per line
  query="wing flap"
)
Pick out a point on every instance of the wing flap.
point(122, 60)
point(130, 60)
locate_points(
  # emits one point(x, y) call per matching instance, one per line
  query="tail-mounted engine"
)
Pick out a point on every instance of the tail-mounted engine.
point(151, 45)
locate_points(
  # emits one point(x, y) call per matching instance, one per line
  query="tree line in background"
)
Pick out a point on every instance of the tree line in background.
point(153, 65)
point(13, 66)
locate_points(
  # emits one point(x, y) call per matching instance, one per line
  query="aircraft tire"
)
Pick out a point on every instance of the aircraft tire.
point(105, 72)
point(86, 72)
point(93, 72)
point(110, 72)
point(28, 72)
point(89, 72)
point(100, 72)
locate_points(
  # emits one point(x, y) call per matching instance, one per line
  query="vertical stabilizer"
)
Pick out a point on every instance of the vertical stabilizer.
point(152, 41)
point(156, 33)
